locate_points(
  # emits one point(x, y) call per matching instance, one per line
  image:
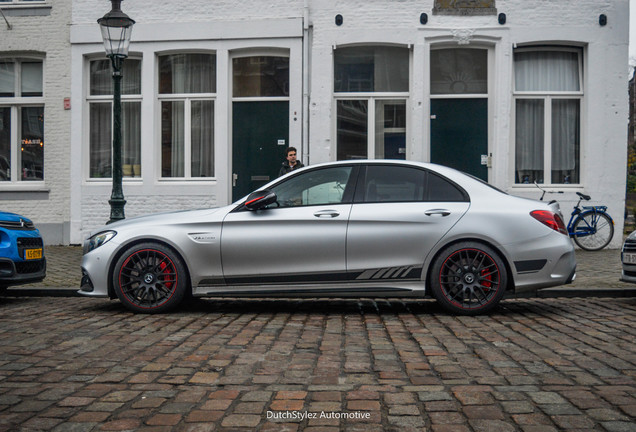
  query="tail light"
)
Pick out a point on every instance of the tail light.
point(550, 219)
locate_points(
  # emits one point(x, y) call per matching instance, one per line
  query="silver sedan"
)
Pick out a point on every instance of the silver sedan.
point(343, 229)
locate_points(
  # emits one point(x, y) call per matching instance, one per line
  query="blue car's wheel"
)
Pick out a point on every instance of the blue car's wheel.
point(150, 278)
point(468, 278)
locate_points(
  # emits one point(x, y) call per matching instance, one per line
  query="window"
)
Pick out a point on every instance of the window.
point(548, 94)
point(21, 120)
point(371, 86)
point(317, 187)
point(459, 71)
point(100, 111)
point(187, 91)
point(260, 76)
point(385, 183)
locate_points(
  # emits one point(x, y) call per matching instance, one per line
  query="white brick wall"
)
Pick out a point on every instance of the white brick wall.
point(48, 35)
point(604, 114)
point(161, 11)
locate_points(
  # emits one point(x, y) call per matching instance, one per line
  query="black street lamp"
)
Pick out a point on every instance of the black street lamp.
point(116, 28)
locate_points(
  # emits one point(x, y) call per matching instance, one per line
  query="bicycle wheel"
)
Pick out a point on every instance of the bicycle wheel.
point(593, 231)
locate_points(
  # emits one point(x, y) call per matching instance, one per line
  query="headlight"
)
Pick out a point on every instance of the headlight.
point(97, 240)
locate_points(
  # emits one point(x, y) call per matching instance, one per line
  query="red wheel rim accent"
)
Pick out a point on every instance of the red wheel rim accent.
point(148, 278)
point(469, 279)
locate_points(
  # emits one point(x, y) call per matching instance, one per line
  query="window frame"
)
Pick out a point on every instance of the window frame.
point(15, 104)
point(187, 99)
point(548, 97)
point(97, 99)
point(371, 98)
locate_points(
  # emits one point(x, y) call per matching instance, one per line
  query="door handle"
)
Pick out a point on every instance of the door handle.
point(234, 178)
point(326, 214)
point(437, 212)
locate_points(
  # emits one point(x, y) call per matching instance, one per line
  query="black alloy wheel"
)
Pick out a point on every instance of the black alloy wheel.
point(468, 278)
point(150, 278)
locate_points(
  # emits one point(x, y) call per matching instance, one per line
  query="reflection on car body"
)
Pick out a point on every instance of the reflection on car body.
point(350, 228)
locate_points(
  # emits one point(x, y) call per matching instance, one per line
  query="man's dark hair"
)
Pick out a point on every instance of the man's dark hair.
point(290, 149)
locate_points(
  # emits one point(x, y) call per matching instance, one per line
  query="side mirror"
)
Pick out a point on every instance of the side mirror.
point(260, 199)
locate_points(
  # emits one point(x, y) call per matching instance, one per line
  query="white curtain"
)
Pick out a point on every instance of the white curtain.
point(188, 74)
point(565, 140)
point(529, 140)
point(100, 140)
point(131, 136)
point(202, 164)
point(547, 72)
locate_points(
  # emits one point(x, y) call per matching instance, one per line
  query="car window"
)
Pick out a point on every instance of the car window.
point(385, 183)
point(314, 187)
point(440, 189)
point(390, 183)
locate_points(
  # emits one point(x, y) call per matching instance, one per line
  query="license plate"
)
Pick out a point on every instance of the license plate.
point(31, 254)
point(629, 258)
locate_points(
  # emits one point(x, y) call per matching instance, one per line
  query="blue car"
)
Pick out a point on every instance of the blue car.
point(21, 251)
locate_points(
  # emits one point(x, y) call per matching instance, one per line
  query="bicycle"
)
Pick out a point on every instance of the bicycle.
point(591, 227)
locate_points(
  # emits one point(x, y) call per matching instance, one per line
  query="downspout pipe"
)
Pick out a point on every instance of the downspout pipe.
point(305, 107)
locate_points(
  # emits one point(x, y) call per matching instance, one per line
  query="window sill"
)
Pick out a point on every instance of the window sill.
point(26, 9)
point(24, 192)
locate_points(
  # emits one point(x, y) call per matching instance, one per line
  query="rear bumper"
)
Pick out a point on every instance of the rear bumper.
point(560, 264)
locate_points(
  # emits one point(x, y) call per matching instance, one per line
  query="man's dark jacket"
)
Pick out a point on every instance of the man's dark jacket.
point(286, 168)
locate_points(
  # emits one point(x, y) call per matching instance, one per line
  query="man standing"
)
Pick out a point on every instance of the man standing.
point(291, 163)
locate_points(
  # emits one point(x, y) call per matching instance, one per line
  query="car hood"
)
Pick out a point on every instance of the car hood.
point(12, 217)
point(162, 219)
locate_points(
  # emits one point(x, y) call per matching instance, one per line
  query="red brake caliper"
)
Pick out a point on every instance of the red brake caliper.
point(487, 283)
point(165, 270)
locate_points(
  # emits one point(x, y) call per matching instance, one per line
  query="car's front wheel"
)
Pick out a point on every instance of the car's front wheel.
point(150, 278)
point(468, 278)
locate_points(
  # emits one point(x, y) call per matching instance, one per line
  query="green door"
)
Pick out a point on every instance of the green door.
point(459, 135)
point(260, 135)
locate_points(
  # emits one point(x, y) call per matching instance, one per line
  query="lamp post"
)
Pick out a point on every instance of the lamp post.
point(116, 28)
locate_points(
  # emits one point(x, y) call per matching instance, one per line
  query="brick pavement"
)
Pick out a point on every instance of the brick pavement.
point(77, 364)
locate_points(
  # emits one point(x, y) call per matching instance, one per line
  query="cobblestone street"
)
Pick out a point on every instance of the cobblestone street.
point(75, 364)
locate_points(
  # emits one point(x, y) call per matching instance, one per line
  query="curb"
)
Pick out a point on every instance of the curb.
point(544, 293)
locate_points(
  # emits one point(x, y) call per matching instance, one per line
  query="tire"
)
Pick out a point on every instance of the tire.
point(468, 278)
point(150, 278)
point(601, 238)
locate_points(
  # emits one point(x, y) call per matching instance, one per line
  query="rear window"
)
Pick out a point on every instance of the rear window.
point(390, 183)
point(441, 189)
point(394, 184)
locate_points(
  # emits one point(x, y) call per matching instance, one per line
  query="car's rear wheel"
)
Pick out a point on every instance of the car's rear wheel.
point(468, 278)
point(150, 278)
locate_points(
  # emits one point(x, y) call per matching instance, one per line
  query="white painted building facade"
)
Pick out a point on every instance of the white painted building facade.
point(34, 124)
point(511, 91)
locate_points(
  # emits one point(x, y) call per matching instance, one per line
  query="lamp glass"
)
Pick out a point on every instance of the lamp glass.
point(116, 40)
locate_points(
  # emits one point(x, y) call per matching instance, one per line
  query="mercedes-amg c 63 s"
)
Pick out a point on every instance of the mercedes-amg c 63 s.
point(343, 229)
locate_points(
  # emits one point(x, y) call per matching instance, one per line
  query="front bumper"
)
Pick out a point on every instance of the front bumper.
point(21, 272)
point(95, 274)
point(629, 273)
